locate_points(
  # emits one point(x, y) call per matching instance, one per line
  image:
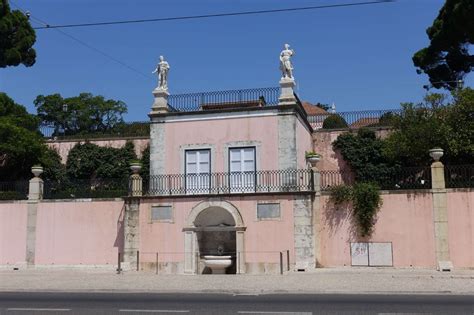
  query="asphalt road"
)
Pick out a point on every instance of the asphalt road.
point(284, 304)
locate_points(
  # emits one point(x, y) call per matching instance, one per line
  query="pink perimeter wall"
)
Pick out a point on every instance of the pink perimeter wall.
point(63, 146)
point(216, 134)
point(406, 220)
point(461, 227)
point(263, 239)
point(13, 218)
point(79, 232)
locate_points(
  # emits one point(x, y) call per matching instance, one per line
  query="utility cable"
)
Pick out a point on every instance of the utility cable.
point(83, 43)
point(204, 16)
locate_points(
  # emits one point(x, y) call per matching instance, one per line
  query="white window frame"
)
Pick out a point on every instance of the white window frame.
point(197, 182)
point(242, 180)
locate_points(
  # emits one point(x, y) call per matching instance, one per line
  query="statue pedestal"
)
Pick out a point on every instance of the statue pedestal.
point(287, 96)
point(160, 104)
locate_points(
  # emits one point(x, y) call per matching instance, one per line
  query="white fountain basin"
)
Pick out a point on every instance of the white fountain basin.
point(218, 264)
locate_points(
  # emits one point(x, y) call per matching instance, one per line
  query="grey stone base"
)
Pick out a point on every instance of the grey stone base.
point(166, 268)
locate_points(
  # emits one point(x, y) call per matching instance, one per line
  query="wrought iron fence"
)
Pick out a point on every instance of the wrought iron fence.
point(408, 178)
point(459, 176)
point(86, 188)
point(14, 190)
point(224, 183)
point(358, 119)
point(126, 129)
point(224, 99)
point(331, 178)
point(402, 178)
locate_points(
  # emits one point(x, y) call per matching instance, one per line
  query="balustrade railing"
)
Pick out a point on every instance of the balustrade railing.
point(224, 183)
point(357, 119)
point(224, 99)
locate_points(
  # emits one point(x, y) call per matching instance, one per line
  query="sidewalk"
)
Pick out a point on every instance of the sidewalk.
point(350, 281)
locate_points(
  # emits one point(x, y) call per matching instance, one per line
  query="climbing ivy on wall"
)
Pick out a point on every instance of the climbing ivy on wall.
point(365, 200)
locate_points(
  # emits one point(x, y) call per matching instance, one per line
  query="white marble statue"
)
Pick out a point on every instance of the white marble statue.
point(285, 63)
point(162, 69)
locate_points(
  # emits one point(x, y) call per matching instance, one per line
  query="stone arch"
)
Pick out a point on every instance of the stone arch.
point(196, 210)
point(190, 238)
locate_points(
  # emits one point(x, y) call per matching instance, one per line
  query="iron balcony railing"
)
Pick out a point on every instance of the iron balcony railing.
point(224, 99)
point(224, 183)
point(357, 119)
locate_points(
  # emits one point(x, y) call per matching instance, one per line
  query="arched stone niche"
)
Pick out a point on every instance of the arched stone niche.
point(208, 215)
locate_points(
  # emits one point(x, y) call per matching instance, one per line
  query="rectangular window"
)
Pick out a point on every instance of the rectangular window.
point(268, 211)
point(198, 169)
point(242, 169)
point(161, 213)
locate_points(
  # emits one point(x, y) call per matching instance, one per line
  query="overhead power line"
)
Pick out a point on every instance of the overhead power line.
point(83, 43)
point(215, 15)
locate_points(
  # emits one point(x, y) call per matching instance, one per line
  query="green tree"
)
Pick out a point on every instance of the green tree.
point(364, 154)
point(21, 144)
point(334, 122)
point(17, 38)
point(82, 114)
point(434, 123)
point(90, 161)
point(145, 160)
point(447, 58)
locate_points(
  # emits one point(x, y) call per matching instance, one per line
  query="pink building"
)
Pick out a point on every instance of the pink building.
point(228, 176)
point(230, 190)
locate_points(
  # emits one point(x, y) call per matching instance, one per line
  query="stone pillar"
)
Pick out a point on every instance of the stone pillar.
point(303, 232)
point(35, 194)
point(35, 191)
point(131, 233)
point(160, 103)
point(31, 232)
point(440, 212)
point(136, 181)
point(240, 248)
point(316, 206)
point(136, 185)
point(287, 94)
point(190, 262)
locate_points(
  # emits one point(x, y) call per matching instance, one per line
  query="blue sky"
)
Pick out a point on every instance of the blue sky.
point(357, 57)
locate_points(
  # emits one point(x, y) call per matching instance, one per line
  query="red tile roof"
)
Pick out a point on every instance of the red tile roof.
point(313, 109)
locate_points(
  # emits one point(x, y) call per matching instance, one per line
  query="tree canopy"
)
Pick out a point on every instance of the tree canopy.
point(22, 145)
point(81, 114)
point(436, 122)
point(447, 59)
point(363, 152)
point(17, 38)
point(90, 161)
point(439, 121)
